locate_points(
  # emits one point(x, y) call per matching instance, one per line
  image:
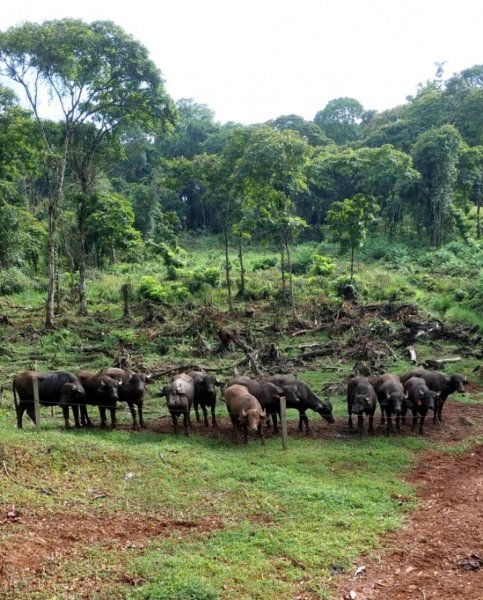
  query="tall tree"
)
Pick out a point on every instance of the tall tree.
point(341, 119)
point(349, 220)
point(436, 154)
point(93, 73)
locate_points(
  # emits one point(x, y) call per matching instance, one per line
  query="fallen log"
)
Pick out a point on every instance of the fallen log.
point(412, 354)
point(431, 363)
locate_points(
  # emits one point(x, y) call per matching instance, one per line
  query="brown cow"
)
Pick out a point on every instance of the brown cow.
point(245, 411)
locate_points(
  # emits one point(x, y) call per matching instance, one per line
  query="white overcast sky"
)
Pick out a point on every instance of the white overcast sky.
point(253, 60)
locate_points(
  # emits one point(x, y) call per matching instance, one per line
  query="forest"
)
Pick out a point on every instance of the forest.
point(136, 231)
point(126, 171)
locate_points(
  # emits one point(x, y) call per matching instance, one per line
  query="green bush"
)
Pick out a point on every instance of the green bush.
point(322, 265)
point(13, 281)
point(150, 288)
point(464, 316)
point(264, 264)
point(302, 261)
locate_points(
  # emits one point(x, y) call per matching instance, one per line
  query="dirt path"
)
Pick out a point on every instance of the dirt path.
point(439, 551)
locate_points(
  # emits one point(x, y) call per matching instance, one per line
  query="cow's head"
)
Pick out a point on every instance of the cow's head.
point(253, 418)
point(360, 403)
point(108, 387)
point(457, 382)
point(325, 411)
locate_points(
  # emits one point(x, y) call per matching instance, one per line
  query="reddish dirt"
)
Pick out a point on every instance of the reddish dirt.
point(439, 551)
point(31, 546)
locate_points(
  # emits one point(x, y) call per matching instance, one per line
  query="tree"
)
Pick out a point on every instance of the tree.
point(436, 154)
point(94, 73)
point(309, 131)
point(349, 220)
point(470, 179)
point(341, 119)
point(269, 168)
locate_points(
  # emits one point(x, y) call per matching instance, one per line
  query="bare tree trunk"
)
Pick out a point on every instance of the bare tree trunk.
point(82, 270)
point(352, 266)
point(51, 254)
point(227, 269)
point(290, 279)
point(478, 220)
point(241, 291)
point(282, 268)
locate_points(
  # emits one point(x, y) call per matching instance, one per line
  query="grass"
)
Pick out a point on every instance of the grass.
point(287, 516)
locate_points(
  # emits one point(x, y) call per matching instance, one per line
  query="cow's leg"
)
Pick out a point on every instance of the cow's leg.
point(415, 421)
point(75, 412)
point(186, 422)
point(403, 415)
point(174, 418)
point(360, 423)
point(142, 424)
point(390, 426)
point(371, 423)
point(305, 420)
point(20, 409)
point(113, 417)
point(197, 412)
point(275, 422)
point(398, 422)
point(65, 412)
point(132, 410)
point(86, 421)
point(213, 416)
point(260, 431)
point(102, 414)
point(350, 424)
point(245, 433)
point(421, 424)
point(205, 415)
point(439, 409)
point(383, 416)
point(31, 413)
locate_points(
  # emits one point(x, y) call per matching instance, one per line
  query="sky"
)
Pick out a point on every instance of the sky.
point(254, 60)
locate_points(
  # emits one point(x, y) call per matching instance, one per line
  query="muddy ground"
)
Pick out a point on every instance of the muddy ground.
point(437, 554)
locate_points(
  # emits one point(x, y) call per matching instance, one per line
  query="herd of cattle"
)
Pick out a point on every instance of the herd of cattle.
point(250, 403)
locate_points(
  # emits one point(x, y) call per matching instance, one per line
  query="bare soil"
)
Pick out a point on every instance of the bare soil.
point(439, 551)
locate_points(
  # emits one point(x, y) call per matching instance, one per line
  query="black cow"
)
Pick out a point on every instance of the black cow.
point(419, 399)
point(268, 394)
point(361, 399)
point(438, 382)
point(179, 399)
point(132, 387)
point(101, 391)
point(204, 396)
point(56, 388)
point(300, 396)
point(390, 393)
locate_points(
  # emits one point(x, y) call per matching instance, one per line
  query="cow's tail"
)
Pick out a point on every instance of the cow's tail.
point(14, 396)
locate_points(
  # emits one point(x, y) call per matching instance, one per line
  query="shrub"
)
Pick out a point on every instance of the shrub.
point(302, 262)
point(264, 264)
point(322, 265)
point(151, 288)
point(13, 281)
